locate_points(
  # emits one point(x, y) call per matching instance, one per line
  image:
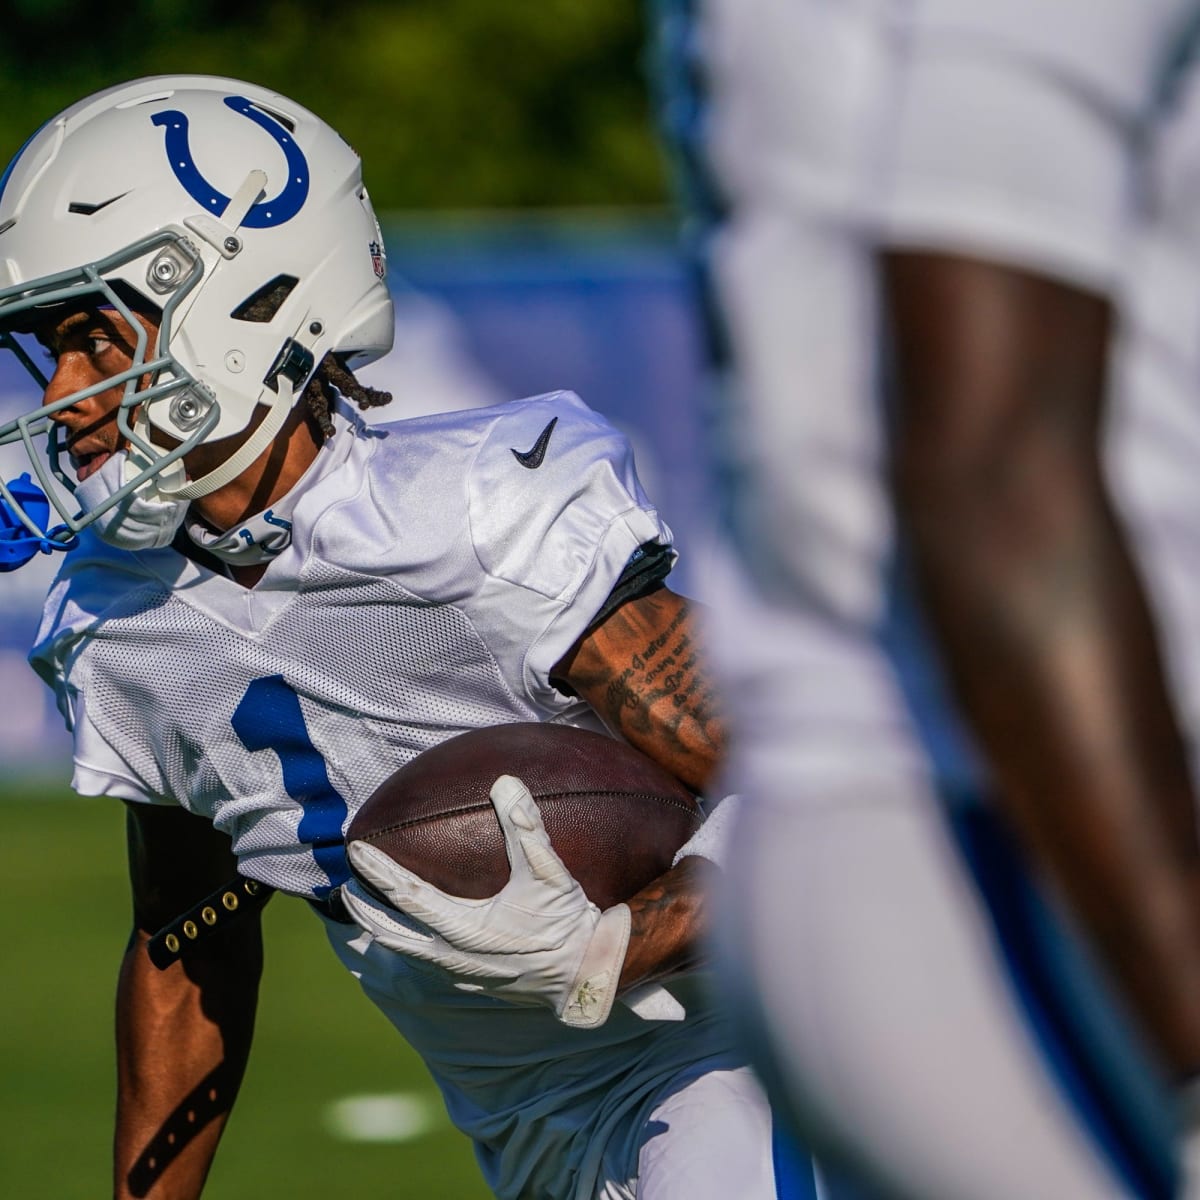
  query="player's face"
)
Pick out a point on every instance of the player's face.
point(88, 347)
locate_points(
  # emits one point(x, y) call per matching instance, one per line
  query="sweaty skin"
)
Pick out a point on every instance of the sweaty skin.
point(1047, 638)
point(87, 347)
point(184, 1034)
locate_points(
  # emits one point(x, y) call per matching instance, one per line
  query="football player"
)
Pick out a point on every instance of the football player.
point(268, 606)
point(969, 835)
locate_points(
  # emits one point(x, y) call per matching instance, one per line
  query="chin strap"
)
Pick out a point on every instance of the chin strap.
point(245, 454)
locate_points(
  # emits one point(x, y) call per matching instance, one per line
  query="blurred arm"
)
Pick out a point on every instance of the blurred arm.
point(183, 1034)
point(1045, 631)
point(667, 709)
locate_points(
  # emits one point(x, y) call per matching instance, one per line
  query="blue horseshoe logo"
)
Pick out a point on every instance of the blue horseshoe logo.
point(266, 214)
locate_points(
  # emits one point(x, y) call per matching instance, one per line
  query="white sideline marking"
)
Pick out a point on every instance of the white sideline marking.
point(388, 1117)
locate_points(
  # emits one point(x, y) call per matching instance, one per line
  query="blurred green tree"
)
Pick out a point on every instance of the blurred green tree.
point(452, 103)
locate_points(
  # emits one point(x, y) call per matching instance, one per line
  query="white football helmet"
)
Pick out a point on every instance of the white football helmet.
point(186, 196)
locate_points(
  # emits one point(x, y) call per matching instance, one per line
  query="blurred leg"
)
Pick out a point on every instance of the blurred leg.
point(888, 1016)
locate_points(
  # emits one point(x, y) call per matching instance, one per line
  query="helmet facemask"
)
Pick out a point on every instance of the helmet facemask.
point(194, 408)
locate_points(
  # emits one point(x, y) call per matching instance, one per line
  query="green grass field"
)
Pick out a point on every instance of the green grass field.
point(63, 923)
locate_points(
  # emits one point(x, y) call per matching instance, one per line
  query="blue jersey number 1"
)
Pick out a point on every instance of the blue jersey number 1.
point(269, 717)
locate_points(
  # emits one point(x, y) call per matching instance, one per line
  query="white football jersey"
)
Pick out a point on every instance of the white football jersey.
point(432, 582)
point(439, 568)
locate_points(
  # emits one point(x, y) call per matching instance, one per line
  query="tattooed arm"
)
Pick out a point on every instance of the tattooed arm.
point(537, 939)
point(643, 672)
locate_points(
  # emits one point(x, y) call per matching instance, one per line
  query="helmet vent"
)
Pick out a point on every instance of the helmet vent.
point(275, 115)
point(138, 101)
point(89, 210)
point(262, 305)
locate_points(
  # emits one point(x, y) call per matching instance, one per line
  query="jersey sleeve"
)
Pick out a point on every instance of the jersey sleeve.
point(72, 609)
point(555, 538)
point(99, 768)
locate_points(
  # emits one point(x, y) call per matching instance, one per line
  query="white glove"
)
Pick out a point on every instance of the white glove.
point(540, 940)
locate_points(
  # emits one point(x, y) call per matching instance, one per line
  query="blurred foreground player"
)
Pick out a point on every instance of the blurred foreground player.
point(270, 606)
point(918, 218)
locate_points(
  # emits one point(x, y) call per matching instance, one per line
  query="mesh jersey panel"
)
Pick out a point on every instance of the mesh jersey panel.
point(379, 674)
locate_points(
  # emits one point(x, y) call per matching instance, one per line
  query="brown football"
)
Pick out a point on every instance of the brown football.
point(614, 816)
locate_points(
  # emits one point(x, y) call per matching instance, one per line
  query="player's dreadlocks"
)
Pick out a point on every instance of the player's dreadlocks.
point(331, 373)
point(319, 391)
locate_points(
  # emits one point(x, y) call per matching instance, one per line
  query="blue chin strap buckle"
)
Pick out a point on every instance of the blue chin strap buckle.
point(17, 544)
